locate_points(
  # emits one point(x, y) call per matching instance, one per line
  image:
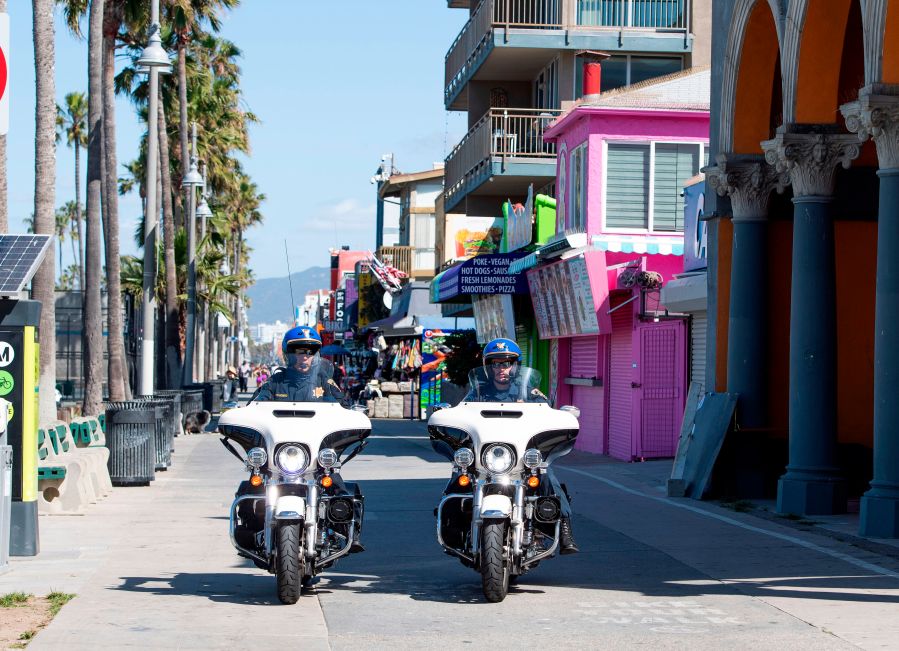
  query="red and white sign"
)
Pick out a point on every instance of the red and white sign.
point(4, 73)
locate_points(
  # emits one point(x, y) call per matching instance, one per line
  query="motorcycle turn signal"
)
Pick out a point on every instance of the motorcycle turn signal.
point(464, 480)
point(533, 481)
point(327, 481)
point(255, 480)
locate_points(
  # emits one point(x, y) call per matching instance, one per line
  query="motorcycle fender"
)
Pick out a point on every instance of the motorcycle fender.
point(290, 507)
point(496, 506)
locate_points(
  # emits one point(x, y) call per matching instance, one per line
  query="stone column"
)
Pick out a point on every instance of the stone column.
point(876, 114)
point(810, 154)
point(748, 179)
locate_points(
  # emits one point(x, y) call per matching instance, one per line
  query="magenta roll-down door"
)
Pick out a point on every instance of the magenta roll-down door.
point(587, 392)
point(660, 392)
point(619, 384)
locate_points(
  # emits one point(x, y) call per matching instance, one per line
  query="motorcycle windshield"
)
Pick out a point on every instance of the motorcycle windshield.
point(305, 378)
point(502, 383)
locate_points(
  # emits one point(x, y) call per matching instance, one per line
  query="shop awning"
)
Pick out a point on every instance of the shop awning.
point(483, 274)
point(649, 244)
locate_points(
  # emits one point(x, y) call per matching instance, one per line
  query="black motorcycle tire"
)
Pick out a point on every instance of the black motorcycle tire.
point(494, 571)
point(289, 567)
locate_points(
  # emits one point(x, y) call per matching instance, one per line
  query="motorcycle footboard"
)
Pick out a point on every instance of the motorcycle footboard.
point(536, 558)
point(458, 502)
point(232, 529)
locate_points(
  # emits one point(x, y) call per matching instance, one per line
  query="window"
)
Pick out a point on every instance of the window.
point(644, 182)
point(674, 164)
point(563, 188)
point(546, 87)
point(627, 69)
point(578, 194)
point(424, 241)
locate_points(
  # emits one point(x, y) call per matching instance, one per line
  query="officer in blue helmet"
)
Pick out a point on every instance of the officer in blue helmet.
point(505, 381)
point(306, 376)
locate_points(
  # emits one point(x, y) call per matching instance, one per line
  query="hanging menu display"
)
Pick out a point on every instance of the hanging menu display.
point(563, 299)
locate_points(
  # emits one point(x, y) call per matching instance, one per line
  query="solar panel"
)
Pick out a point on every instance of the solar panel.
point(20, 256)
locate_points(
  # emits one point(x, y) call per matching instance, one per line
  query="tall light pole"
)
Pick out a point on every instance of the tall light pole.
point(155, 60)
point(203, 213)
point(192, 180)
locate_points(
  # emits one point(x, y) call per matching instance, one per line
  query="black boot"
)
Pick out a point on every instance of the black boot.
point(566, 538)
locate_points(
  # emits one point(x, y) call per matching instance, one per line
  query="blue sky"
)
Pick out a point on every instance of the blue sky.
point(335, 85)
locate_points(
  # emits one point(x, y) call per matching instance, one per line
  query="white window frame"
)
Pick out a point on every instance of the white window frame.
point(700, 144)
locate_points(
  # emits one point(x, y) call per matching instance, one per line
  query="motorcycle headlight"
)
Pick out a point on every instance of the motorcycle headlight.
point(498, 458)
point(532, 458)
point(256, 457)
point(327, 457)
point(291, 459)
point(463, 457)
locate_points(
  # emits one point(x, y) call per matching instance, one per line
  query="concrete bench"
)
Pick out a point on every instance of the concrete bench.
point(64, 484)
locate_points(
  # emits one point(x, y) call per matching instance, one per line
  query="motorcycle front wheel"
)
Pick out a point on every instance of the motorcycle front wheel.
point(289, 567)
point(494, 571)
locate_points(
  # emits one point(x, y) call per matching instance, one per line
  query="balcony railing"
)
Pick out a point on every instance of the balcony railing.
point(506, 135)
point(397, 256)
point(473, 39)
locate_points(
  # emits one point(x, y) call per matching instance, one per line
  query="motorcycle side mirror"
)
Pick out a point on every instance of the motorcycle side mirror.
point(360, 408)
point(571, 409)
point(442, 405)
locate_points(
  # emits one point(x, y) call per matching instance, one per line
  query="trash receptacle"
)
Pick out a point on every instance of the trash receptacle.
point(174, 395)
point(191, 403)
point(218, 388)
point(131, 439)
point(206, 389)
point(164, 431)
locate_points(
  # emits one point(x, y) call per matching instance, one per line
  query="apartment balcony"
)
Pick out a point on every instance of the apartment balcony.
point(505, 147)
point(397, 256)
point(515, 39)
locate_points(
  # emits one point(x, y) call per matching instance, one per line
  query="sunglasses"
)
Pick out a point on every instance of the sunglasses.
point(302, 351)
point(502, 363)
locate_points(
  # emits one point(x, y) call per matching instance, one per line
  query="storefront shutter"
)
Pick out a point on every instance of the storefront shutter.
point(627, 186)
point(523, 339)
point(698, 329)
point(584, 356)
point(674, 164)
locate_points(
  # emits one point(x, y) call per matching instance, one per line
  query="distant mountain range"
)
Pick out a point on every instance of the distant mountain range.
point(270, 297)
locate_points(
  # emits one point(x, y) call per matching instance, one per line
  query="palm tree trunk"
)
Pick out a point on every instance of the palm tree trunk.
point(79, 232)
point(92, 345)
point(44, 197)
point(117, 370)
point(235, 354)
point(172, 331)
point(4, 213)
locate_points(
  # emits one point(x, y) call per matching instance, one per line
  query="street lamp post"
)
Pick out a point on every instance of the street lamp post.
point(155, 60)
point(192, 180)
point(203, 213)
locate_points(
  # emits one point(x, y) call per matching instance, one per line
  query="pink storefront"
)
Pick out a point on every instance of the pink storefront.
point(616, 353)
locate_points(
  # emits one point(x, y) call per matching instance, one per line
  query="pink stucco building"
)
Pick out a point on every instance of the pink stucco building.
point(616, 353)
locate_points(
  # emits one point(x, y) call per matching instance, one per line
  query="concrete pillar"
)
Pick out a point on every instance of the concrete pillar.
point(812, 484)
point(748, 179)
point(876, 114)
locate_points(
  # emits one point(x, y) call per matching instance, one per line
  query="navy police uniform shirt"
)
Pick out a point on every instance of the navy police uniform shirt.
point(489, 392)
point(291, 385)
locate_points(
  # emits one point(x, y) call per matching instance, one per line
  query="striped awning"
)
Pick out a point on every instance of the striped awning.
point(651, 245)
point(523, 264)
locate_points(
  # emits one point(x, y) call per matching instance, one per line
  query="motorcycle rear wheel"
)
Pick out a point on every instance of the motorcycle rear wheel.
point(289, 566)
point(495, 572)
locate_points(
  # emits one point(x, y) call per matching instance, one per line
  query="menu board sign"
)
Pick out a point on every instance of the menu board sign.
point(563, 299)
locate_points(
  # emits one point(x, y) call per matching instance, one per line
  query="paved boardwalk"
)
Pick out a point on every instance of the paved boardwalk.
point(153, 568)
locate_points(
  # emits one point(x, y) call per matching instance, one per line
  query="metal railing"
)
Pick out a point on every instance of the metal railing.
point(397, 256)
point(506, 135)
point(469, 45)
point(634, 14)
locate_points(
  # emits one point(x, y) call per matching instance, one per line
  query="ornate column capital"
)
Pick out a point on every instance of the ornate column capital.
point(748, 180)
point(810, 154)
point(875, 114)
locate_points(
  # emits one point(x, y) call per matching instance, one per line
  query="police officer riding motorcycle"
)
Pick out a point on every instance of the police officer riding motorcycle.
point(295, 516)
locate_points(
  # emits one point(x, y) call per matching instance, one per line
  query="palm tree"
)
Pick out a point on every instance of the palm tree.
point(43, 284)
point(92, 342)
point(71, 122)
point(62, 228)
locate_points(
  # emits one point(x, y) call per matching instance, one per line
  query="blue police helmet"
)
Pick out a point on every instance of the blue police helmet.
point(501, 347)
point(301, 337)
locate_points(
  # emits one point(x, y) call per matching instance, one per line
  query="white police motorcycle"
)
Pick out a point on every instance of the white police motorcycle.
point(295, 516)
point(499, 514)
